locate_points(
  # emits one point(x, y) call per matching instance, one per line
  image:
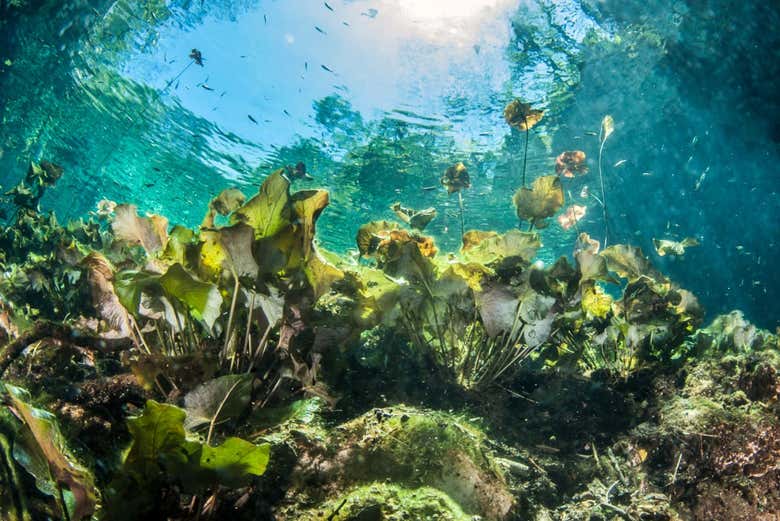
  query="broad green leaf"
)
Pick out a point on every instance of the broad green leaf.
point(201, 298)
point(595, 302)
point(235, 461)
point(268, 212)
point(203, 402)
point(44, 437)
point(497, 307)
point(371, 234)
point(158, 434)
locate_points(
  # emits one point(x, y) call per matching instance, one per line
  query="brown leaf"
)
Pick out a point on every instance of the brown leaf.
point(371, 234)
point(571, 163)
point(100, 275)
point(542, 200)
point(456, 178)
point(150, 232)
point(521, 116)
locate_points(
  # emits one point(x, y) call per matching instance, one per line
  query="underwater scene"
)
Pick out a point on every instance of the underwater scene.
point(389, 260)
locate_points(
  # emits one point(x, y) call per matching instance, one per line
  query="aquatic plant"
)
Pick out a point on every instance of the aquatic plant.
point(522, 117)
point(455, 179)
point(606, 130)
point(418, 220)
point(542, 200)
point(668, 247)
point(571, 163)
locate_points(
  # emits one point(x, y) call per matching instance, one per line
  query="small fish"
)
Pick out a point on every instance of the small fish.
point(306, 66)
point(286, 113)
point(430, 188)
point(253, 120)
point(477, 48)
point(371, 13)
point(585, 192)
point(265, 19)
point(327, 69)
point(223, 93)
point(345, 23)
point(205, 86)
point(591, 133)
point(196, 56)
point(148, 185)
point(619, 163)
point(694, 140)
point(320, 30)
point(699, 181)
point(647, 174)
point(328, 6)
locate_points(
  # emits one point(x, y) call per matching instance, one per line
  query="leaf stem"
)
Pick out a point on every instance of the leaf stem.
point(462, 224)
point(603, 194)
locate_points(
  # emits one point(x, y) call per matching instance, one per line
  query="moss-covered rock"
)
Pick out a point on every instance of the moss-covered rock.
point(408, 448)
point(388, 502)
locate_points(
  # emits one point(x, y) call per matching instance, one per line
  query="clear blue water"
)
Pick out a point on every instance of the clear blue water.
point(379, 97)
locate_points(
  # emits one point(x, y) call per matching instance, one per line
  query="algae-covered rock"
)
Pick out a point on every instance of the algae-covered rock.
point(388, 502)
point(406, 448)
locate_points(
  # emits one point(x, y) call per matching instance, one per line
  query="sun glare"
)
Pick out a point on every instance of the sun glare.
point(431, 10)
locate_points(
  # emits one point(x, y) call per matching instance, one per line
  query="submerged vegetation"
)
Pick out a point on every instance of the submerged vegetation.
point(239, 369)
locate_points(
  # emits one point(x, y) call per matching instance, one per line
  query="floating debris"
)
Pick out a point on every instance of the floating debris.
point(416, 219)
point(668, 247)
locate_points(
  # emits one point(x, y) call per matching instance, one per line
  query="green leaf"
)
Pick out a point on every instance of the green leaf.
point(542, 200)
point(267, 212)
point(235, 461)
point(201, 298)
point(158, 434)
point(44, 439)
point(203, 402)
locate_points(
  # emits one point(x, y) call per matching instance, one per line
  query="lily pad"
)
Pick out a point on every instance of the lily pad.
point(489, 247)
point(456, 178)
point(521, 116)
point(226, 396)
point(571, 163)
point(542, 200)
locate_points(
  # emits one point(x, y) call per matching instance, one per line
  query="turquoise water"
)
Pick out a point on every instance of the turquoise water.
point(378, 98)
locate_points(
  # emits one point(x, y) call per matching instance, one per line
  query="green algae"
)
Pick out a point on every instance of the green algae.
point(383, 501)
